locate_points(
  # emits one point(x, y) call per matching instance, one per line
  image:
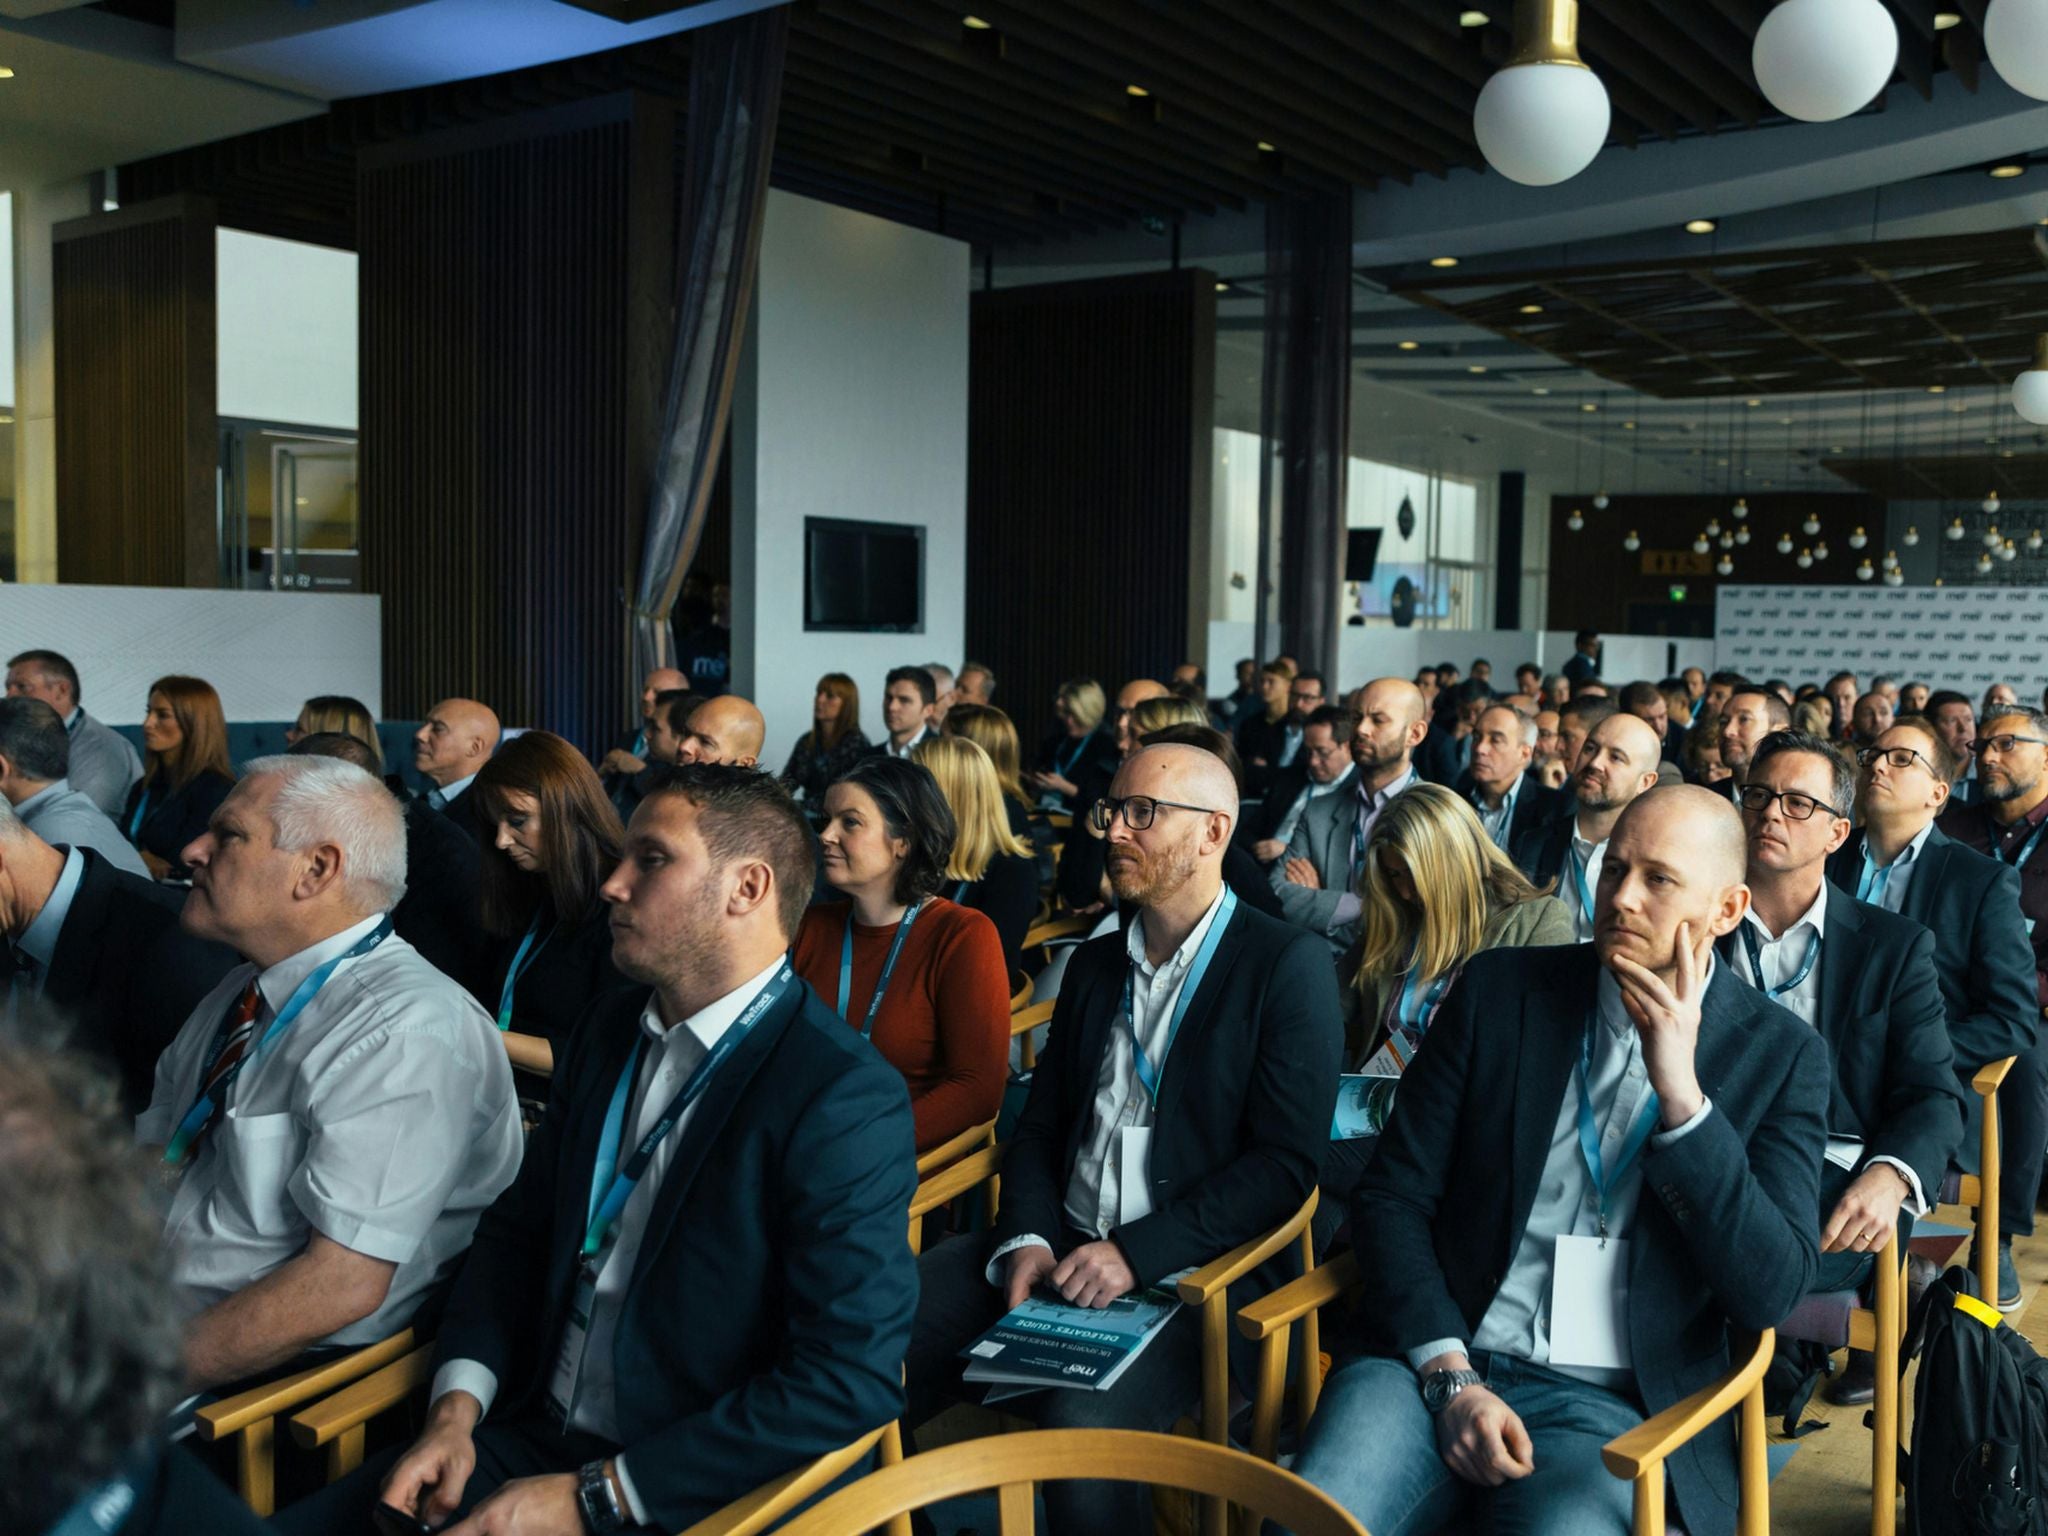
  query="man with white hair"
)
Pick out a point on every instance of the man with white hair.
point(337, 1113)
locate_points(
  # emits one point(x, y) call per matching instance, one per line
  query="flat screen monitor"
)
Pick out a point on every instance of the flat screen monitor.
point(863, 576)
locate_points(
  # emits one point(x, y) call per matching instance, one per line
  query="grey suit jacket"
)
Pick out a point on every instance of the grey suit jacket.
point(60, 815)
point(104, 767)
point(1323, 837)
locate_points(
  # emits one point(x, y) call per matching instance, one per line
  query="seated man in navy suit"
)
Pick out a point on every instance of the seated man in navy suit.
point(700, 1278)
point(1562, 1224)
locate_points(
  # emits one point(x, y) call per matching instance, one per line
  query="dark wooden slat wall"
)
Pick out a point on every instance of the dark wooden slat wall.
point(1091, 411)
point(135, 367)
point(514, 285)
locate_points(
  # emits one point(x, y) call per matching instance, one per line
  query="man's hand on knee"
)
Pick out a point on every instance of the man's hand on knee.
point(427, 1481)
point(1482, 1440)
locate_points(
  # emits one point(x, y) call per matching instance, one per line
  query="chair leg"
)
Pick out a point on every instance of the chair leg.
point(1884, 1419)
point(1271, 1389)
point(1309, 1378)
point(1649, 1502)
point(888, 1454)
point(1753, 1518)
point(1987, 1211)
point(1216, 1398)
point(256, 1468)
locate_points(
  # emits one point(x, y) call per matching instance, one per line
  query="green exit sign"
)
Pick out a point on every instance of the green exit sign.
point(1677, 593)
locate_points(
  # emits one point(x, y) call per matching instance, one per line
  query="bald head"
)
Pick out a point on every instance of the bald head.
point(1617, 763)
point(457, 739)
point(1396, 697)
point(1177, 861)
point(1392, 720)
point(727, 729)
point(1672, 875)
point(1128, 698)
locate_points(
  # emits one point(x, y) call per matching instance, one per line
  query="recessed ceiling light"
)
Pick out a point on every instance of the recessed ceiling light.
point(1221, 286)
point(2007, 172)
point(1589, 407)
point(1136, 90)
point(1700, 226)
point(6, 73)
point(1539, 390)
point(1443, 261)
point(1473, 18)
point(1937, 389)
point(1407, 346)
point(1752, 403)
point(974, 24)
point(1475, 367)
point(1265, 147)
point(1537, 309)
point(1943, 20)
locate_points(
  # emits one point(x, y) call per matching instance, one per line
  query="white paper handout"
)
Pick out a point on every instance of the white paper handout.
point(1589, 1304)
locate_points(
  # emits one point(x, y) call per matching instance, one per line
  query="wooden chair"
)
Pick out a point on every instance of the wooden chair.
point(977, 1170)
point(1041, 934)
point(336, 1424)
point(1060, 821)
point(764, 1508)
point(1023, 1025)
point(1208, 1288)
point(949, 1152)
point(1020, 990)
point(1981, 1189)
point(249, 1419)
point(530, 1053)
point(1637, 1456)
point(1014, 1465)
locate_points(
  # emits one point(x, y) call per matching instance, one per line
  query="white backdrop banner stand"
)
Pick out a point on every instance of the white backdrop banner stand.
point(1965, 638)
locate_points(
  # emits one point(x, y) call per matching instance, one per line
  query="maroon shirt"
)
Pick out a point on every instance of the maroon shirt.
point(1975, 827)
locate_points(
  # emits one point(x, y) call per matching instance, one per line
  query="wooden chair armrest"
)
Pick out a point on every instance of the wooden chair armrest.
point(1024, 1020)
point(950, 1183)
point(530, 1053)
point(767, 1505)
point(231, 1415)
point(1020, 990)
point(1629, 1455)
point(948, 1152)
point(332, 1417)
point(1060, 820)
point(1297, 1298)
point(1210, 1280)
point(1057, 928)
point(1991, 1075)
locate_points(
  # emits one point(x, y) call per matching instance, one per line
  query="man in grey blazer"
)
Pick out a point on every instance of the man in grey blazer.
point(104, 765)
point(35, 756)
point(1316, 880)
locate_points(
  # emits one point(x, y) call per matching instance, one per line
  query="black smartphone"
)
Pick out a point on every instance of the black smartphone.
point(396, 1522)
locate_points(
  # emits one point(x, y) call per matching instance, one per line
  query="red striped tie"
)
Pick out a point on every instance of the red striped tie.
point(241, 1024)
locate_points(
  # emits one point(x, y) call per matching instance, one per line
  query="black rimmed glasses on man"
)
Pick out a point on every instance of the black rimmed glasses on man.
point(1897, 757)
point(1796, 806)
point(2004, 743)
point(1136, 810)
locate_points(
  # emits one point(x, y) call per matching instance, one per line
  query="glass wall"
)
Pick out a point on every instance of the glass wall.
point(6, 387)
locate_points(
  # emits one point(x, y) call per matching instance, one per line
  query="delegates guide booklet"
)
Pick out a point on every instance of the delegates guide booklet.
point(1045, 1341)
point(1365, 1098)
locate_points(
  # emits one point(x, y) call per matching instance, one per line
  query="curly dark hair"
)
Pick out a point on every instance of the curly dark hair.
point(90, 1330)
point(913, 808)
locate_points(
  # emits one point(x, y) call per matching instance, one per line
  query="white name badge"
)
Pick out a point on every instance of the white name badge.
point(1134, 1175)
point(1589, 1304)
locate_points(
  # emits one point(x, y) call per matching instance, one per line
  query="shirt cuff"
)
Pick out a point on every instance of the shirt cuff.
point(1916, 1198)
point(633, 1505)
point(1348, 908)
point(994, 1272)
point(1666, 1138)
point(1421, 1354)
point(471, 1376)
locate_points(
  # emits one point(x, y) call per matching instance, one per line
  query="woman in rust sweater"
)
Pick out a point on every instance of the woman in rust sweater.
point(920, 977)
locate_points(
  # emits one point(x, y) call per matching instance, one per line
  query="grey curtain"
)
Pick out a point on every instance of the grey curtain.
point(729, 143)
point(1305, 417)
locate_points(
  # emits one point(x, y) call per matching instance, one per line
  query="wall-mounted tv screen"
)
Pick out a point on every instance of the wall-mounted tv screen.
point(863, 576)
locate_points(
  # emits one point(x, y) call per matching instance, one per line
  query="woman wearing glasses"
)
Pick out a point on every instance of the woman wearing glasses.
point(920, 976)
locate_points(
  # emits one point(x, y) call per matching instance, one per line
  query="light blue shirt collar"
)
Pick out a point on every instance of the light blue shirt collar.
point(49, 791)
point(451, 792)
point(39, 941)
point(1911, 851)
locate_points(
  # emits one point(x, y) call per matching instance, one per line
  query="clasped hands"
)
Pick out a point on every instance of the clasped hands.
point(1092, 1275)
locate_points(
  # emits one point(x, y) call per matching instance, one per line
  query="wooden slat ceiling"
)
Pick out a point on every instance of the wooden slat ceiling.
point(1897, 314)
point(1025, 130)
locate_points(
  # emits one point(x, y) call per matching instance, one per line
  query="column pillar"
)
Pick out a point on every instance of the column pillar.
point(37, 210)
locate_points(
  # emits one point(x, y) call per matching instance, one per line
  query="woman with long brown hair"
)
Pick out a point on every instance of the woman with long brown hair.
point(833, 744)
point(186, 773)
point(555, 837)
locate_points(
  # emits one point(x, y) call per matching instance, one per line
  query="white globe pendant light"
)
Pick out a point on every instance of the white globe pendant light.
point(1818, 60)
point(1865, 571)
point(1742, 533)
point(1576, 521)
point(1811, 525)
point(1784, 543)
point(2016, 41)
point(1820, 550)
point(1895, 577)
point(1725, 566)
point(1912, 536)
point(1600, 500)
point(1805, 560)
point(2030, 389)
point(1953, 531)
point(2006, 551)
point(1990, 503)
point(1741, 508)
point(2034, 542)
point(1700, 545)
point(1992, 536)
point(1631, 543)
point(1984, 563)
point(1542, 117)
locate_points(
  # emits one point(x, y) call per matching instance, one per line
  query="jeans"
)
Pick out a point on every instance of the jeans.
point(1372, 1447)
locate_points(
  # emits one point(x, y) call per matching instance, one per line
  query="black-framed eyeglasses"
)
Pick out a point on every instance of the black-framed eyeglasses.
point(1795, 805)
point(1897, 757)
point(1136, 810)
point(2003, 743)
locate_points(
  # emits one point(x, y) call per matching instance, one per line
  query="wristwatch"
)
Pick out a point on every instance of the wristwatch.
point(597, 1500)
point(1439, 1387)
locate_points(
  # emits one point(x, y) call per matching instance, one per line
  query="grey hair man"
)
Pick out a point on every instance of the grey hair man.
point(35, 763)
point(337, 1112)
point(104, 763)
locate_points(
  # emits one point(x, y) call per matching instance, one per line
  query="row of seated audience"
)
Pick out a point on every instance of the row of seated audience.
point(691, 1275)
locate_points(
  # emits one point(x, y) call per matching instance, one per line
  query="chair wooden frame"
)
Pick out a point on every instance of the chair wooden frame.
point(1041, 934)
point(335, 1424)
point(249, 1419)
point(1637, 1456)
point(767, 1506)
point(1023, 1023)
point(1981, 1189)
point(1020, 992)
point(977, 1170)
point(1014, 1465)
point(947, 1153)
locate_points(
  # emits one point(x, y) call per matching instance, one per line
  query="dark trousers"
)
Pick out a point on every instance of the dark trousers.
point(2023, 1140)
point(518, 1448)
point(955, 1303)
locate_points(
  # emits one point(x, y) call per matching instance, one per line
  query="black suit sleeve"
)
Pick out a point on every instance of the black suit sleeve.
point(2003, 1020)
point(1921, 1122)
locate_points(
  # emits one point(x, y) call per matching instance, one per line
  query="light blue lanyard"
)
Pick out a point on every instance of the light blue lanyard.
point(1756, 963)
point(522, 961)
point(1066, 765)
point(202, 1113)
point(141, 811)
point(1148, 1074)
point(1604, 1183)
point(1577, 868)
point(2026, 849)
point(960, 893)
point(1417, 1014)
point(617, 1184)
point(867, 1024)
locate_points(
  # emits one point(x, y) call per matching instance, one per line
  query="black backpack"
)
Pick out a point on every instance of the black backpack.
point(1980, 1420)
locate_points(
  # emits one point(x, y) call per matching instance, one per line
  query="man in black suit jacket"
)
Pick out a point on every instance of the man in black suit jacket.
point(1237, 1028)
point(1710, 1105)
point(1971, 903)
point(455, 741)
point(103, 949)
point(1513, 804)
point(745, 1308)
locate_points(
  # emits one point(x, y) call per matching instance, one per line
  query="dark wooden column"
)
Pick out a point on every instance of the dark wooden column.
point(515, 292)
point(137, 438)
point(1091, 410)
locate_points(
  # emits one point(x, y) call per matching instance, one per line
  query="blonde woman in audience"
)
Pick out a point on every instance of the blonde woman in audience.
point(1814, 715)
point(996, 734)
point(1149, 715)
point(341, 715)
point(1079, 706)
point(186, 773)
point(991, 869)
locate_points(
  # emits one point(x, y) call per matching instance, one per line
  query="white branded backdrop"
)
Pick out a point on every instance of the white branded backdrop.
point(1957, 637)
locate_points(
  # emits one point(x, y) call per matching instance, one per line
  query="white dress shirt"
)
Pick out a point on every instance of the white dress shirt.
point(1094, 1190)
point(383, 1117)
point(1590, 857)
point(584, 1373)
point(889, 743)
point(1891, 881)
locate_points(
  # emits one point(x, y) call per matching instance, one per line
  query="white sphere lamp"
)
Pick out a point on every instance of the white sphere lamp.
point(1726, 541)
point(2034, 542)
point(1891, 560)
point(1858, 539)
point(1911, 536)
point(2030, 389)
point(1811, 526)
point(1700, 545)
point(1631, 543)
point(1742, 533)
point(1865, 571)
point(1741, 508)
point(1984, 563)
point(1805, 560)
point(1725, 566)
point(1820, 549)
point(2008, 551)
point(1895, 577)
point(1991, 537)
point(1819, 60)
point(1600, 500)
point(1713, 527)
point(1543, 116)
point(2016, 41)
point(1576, 521)
point(1784, 543)
point(1990, 503)
point(1953, 531)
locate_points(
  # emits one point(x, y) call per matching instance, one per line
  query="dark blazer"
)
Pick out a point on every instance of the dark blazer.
point(572, 970)
point(465, 814)
point(1090, 771)
point(773, 1294)
point(175, 817)
point(1245, 1099)
point(1440, 757)
point(1542, 850)
point(440, 914)
point(1579, 666)
point(126, 976)
point(1259, 737)
point(1536, 806)
point(1283, 788)
point(1007, 895)
point(1894, 1084)
point(1981, 954)
point(1725, 1233)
